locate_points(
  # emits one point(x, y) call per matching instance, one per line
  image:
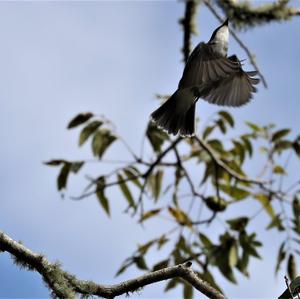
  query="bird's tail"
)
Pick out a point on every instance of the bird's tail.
point(177, 114)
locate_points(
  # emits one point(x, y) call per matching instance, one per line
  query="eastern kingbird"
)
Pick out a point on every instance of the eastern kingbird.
point(211, 75)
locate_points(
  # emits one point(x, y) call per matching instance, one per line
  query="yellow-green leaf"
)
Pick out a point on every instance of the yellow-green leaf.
point(88, 131)
point(125, 190)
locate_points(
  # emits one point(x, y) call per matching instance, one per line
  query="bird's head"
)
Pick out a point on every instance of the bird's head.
point(221, 34)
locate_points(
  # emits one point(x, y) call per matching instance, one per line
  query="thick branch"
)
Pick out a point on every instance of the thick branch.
point(188, 25)
point(65, 285)
point(244, 14)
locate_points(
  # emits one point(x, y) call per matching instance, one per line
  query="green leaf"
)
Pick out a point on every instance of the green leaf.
point(180, 216)
point(143, 249)
point(155, 183)
point(216, 204)
point(279, 134)
point(172, 283)
point(247, 144)
point(156, 136)
point(63, 176)
point(132, 173)
point(227, 117)
point(266, 203)
point(233, 255)
point(243, 262)
point(282, 145)
point(276, 222)
point(253, 126)
point(161, 265)
point(221, 125)
point(125, 190)
point(125, 265)
point(205, 241)
point(208, 130)
point(55, 162)
point(187, 291)
point(292, 267)
point(101, 141)
point(140, 262)
point(296, 147)
point(76, 166)
point(88, 131)
point(101, 195)
point(280, 257)
point(279, 170)
point(79, 119)
point(149, 214)
point(234, 192)
point(238, 224)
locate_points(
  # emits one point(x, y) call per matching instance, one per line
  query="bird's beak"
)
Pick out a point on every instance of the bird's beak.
point(226, 22)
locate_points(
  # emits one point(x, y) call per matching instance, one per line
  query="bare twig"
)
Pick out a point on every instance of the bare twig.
point(65, 285)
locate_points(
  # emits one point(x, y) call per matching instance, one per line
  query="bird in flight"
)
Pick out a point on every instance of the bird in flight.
point(210, 75)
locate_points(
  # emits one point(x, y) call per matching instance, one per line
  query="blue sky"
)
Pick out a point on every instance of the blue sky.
point(61, 58)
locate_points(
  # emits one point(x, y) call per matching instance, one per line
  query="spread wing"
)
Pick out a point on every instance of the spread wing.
point(234, 90)
point(205, 66)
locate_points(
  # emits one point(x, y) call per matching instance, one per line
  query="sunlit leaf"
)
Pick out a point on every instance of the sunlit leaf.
point(180, 216)
point(253, 126)
point(266, 203)
point(234, 192)
point(279, 169)
point(79, 119)
point(276, 222)
point(233, 255)
point(88, 131)
point(149, 214)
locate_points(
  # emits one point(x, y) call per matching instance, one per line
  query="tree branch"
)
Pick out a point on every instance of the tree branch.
point(65, 285)
point(189, 27)
point(245, 14)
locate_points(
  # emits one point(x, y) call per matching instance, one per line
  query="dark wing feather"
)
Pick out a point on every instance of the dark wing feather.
point(235, 90)
point(206, 66)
